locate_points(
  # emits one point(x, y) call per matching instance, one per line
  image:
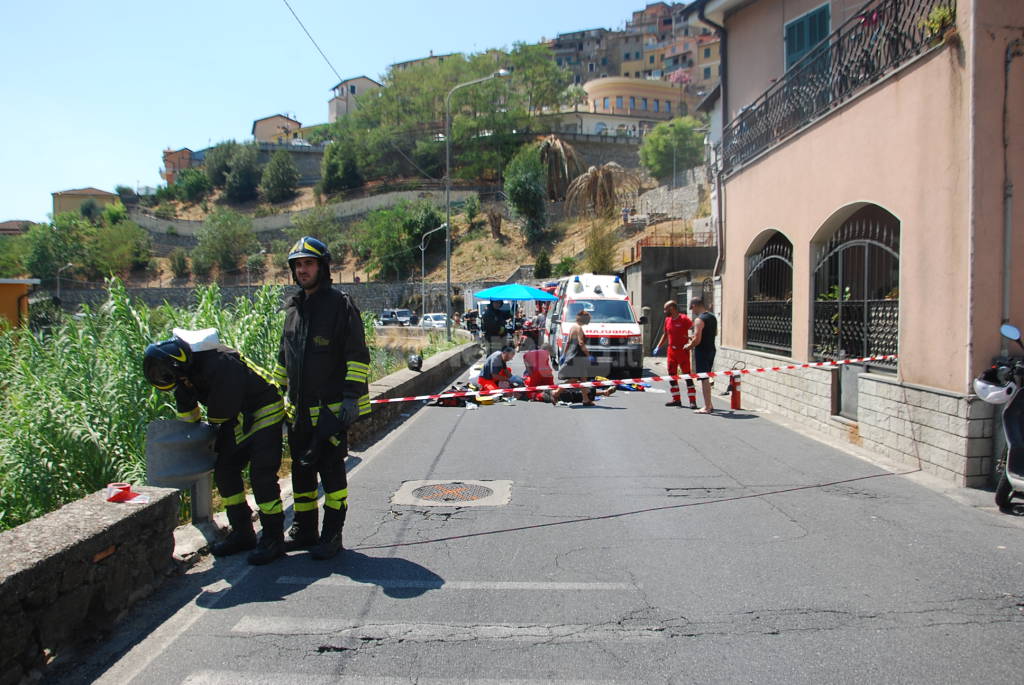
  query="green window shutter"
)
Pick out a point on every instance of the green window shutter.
point(804, 33)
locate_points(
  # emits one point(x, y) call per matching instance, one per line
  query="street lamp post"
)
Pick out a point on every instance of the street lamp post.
point(423, 266)
point(500, 73)
point(66, 266)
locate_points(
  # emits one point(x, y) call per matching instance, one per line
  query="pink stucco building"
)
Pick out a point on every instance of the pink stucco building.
point(865, 155)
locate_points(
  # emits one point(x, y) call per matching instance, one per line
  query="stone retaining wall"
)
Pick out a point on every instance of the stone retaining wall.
point(369, 297)
point(346, 210)
point(950, 433)
point(435, 374)
point(71, 574)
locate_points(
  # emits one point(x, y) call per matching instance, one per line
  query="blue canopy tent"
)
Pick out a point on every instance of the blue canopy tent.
point(514, 292)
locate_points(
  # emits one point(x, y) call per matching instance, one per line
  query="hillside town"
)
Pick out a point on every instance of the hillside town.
point(819, 193)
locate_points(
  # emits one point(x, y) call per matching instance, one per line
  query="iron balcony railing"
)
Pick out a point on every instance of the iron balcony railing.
point(874, 42)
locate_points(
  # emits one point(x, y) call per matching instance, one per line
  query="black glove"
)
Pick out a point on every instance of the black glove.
point(349, 411)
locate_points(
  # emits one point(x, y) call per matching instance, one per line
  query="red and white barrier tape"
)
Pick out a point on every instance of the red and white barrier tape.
point(630, 381)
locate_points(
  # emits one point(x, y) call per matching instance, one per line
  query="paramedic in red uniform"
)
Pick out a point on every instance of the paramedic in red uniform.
point(538, 369)
point(677, 331)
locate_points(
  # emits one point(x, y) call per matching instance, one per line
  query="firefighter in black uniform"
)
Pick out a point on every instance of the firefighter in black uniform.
point(239, 398)
point(323, 362)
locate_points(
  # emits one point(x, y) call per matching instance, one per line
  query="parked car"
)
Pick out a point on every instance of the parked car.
point(395, 317)
point(434, 320)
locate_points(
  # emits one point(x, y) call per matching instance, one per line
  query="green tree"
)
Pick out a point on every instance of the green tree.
point(242, 181)
point(225, 238)
point(114, 213)
point(339, 169)
point(388, 239)
point(565, 267)
point(91, 210)
point(600, 252)
point(280, 178)
point(192, 185)
point(319, 222)
point(681, 139)
point(542, 265)
point(116, 250)
point(526, 187)
point(12, 255)
point(536, 77)
point(179, 262)
point(218, 162)
point(50, 246)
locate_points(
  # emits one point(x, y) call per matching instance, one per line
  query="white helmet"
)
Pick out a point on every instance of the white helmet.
point(994, 393)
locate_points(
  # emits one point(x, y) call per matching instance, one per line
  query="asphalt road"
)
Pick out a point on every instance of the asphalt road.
point(639, 544)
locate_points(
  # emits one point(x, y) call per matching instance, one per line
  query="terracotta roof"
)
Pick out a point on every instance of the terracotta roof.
point(14, 226)
point(85, 191)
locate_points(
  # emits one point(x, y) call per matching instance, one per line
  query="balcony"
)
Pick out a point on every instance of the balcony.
point(877, 41)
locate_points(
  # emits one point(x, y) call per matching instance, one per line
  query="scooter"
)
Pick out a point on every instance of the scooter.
point(1002, 384)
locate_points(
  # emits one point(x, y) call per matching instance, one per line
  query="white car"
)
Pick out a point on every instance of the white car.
point(433, 320)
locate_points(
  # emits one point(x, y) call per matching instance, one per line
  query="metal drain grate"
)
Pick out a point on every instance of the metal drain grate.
point(452, 492)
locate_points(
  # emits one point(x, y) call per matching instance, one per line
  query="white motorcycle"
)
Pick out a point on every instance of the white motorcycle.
point(1001, 384)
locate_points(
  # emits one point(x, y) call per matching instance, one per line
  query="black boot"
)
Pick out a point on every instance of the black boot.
point(271, 544)
point(241, 537)
point(303, 532)
point(330, 537)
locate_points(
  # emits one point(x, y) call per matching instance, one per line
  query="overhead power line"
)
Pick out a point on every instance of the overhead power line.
point(312, 41)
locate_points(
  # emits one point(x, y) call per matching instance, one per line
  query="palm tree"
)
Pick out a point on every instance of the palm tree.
point(561, 163)
point(601, 189)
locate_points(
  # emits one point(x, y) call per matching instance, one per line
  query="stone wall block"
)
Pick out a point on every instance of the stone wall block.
point(948, 405)
point(976, 409)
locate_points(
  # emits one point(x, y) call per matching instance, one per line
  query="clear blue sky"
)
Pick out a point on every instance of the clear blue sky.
point(93, 92)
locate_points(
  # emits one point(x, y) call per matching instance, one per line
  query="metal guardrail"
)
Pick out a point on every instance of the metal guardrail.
point(874, 42)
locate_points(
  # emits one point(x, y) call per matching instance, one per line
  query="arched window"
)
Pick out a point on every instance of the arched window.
point(770, 297)
point(856, 288)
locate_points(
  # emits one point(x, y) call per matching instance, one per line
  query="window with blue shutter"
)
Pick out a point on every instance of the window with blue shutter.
point(804, 33)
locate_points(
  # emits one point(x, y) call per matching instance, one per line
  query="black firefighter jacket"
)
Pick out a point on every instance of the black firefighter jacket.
point(323, 356)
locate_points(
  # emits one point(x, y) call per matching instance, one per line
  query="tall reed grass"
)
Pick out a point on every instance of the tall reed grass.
point(73, 402)
point(74, 405)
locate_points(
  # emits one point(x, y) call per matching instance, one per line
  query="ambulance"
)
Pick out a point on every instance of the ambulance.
point(614, 337)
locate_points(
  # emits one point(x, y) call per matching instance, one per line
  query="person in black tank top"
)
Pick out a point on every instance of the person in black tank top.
point(705, 328)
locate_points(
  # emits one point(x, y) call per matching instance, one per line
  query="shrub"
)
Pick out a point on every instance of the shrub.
point(565, 267)
point(256, 264)
point(225, 238)
point(165, 212)
point(192, 185)
point(201, 264)
point(472, 208)
point(179, 263)
point(600, 256)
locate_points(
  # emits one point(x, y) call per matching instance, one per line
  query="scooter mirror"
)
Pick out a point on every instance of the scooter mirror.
point(1011, 332)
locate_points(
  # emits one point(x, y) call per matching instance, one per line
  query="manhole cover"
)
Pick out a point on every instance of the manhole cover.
point(452, 492)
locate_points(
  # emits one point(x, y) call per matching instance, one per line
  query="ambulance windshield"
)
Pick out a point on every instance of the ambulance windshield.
point(602, 311)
